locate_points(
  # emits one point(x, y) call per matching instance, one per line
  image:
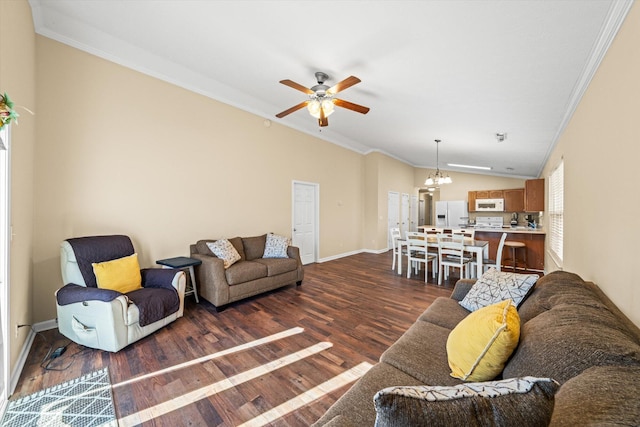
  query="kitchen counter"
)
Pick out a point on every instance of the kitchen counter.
point(508, 229)
point(505, 229)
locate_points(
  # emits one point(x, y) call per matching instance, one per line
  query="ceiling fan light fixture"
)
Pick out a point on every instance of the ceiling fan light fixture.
point(314, 106)
point(327, 106)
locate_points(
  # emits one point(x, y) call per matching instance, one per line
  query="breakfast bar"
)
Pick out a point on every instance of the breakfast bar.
point(533, 238)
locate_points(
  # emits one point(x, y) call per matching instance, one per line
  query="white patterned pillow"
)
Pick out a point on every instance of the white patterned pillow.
point(224, 250)
point(526, 401)
point(495, 286)
point(276, 246)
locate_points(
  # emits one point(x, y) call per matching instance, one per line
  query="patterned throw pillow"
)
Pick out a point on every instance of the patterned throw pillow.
point(495, 286)
point(224, 250)
point(276, 246)
point(525, 401)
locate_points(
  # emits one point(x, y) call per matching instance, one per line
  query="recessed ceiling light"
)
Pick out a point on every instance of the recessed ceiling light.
point(484, 168)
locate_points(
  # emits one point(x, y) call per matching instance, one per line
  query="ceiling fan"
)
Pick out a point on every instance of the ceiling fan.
point(322, 98)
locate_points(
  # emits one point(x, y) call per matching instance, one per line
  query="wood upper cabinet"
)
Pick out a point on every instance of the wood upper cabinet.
point(514, 200)
point(490, 194)
point(534, 195)
point(496, 194)
point(472, 201)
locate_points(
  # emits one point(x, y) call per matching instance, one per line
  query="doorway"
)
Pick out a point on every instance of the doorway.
point(404, 214)
point(427, 206)
point(304, 233)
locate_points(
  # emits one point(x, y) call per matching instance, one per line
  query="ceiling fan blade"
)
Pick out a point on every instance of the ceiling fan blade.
point(350, 106)
point(322, 120)
point(292, 109)
point(346, 83)
point(297, 86)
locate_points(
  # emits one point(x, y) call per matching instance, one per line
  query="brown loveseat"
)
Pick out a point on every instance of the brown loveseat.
point(569, 331)
point(250, 276)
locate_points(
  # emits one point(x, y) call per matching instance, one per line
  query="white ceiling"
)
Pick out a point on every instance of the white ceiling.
point(459, 71)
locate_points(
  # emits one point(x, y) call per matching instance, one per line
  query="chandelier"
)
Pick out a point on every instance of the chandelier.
point(438, 178)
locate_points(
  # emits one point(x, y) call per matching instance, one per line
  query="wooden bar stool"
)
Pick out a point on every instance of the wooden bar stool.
point(514, 246)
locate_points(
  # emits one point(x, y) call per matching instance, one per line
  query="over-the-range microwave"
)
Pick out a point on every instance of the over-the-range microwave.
point(489, 205)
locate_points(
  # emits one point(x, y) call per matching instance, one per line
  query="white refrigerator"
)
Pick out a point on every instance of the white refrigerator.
point(451, 214)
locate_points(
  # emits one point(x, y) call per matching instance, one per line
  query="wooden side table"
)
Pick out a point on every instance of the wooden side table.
point(182, 263)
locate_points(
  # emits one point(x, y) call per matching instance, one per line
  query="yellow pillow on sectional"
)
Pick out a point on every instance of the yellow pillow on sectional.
point(479, 346)
point(122, 274)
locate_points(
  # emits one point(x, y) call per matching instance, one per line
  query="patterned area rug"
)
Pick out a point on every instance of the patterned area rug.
point(84, 402)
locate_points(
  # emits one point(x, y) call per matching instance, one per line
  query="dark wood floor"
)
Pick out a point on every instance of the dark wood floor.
point(357, 303)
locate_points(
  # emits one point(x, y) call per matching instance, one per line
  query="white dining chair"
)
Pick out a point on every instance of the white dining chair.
point(417, 253)
point(451, 254)
point(469, 234)
point(487, 263)
point(395, 236)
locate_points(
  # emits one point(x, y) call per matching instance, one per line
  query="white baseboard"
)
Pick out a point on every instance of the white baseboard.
point(46, 325)
point(346, 254)
point(24, 353)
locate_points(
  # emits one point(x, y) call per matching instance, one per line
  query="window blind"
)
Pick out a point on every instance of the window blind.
point(556, 212)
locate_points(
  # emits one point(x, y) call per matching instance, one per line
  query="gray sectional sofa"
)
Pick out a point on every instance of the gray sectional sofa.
point(250, 276)
point(569, 331)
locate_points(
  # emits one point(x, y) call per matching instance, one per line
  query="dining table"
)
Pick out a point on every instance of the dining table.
point(480, 249)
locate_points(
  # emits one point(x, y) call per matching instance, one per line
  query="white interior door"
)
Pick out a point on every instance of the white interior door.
point(393, 214)
point(305, 220)
point(413, 212)
point(404, 214)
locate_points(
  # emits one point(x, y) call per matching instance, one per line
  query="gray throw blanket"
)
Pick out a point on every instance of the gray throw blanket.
point(98, 249)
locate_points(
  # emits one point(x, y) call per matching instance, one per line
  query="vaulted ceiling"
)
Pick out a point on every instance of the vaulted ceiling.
point(459, 71)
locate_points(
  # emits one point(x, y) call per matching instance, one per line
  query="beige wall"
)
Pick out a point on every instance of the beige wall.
point(121, 152)
point(393, 175)
point(17, 79)
point(601, 149)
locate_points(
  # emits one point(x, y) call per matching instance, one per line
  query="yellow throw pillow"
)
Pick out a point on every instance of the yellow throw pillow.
point(479, 346)
point(122, 274)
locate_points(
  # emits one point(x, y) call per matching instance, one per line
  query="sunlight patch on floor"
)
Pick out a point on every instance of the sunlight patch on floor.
point(217, 387)
point(265, 340)
point(309, 396)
